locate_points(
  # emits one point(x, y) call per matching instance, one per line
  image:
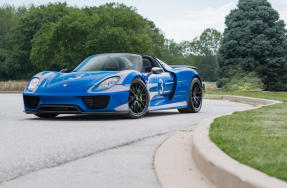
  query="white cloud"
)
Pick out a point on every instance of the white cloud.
point(281, 7)
point(278, 2)
point(193, 23)
point(283, 15)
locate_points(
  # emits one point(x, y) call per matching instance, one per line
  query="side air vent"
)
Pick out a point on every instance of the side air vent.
point(31, 101)
point(96, 102)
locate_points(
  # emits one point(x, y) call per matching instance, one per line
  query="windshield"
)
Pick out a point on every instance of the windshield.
point(111, 62)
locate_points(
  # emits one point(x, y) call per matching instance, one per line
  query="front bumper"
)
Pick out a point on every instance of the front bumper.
point(76, 111)
point(71, 103)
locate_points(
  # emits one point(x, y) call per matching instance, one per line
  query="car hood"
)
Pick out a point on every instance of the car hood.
point(72, 82)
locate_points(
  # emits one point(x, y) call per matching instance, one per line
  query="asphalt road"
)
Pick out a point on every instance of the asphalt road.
point(88, 151)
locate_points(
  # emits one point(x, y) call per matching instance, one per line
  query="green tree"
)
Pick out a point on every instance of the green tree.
point(58, 45)
point(55, 36)
point(9, 18)
point(105, 29)
point(203, 51)
point(207, 44)
point(254, 41)
point(19, 39)
point(207, 66)
point(159, 41)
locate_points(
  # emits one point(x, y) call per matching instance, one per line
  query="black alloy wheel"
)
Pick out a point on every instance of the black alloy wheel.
point(138, 99)
point(195, 97)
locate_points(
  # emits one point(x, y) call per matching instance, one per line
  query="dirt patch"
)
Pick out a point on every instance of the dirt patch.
point(13, 86)
point(210, 85)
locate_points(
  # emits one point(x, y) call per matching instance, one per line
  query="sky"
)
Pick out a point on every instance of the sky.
point(178, 19)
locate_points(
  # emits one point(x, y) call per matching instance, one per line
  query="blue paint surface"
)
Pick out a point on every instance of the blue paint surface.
point(57, 88)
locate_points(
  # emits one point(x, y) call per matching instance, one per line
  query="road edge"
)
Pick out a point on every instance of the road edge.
point(218, 169)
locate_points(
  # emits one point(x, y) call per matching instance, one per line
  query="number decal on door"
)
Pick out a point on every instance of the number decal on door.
point(160, 86)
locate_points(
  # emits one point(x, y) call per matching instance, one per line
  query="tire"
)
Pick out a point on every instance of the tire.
point(138, 99)
point(46, 116)
point(195, 97)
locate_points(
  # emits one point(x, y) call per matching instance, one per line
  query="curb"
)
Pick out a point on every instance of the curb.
point(218, 167)
point(256, 101)
point(174, 166)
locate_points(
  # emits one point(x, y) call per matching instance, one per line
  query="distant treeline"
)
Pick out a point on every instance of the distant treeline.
point(57, 36)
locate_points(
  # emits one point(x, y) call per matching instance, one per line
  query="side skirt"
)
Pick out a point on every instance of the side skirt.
point(169, 106)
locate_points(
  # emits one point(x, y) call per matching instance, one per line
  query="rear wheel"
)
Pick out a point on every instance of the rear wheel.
point(195, 98)
point(138, 99)
point(46, 115)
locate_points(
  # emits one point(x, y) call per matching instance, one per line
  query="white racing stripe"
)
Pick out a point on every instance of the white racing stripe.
point(172, 105)
point(122, 108)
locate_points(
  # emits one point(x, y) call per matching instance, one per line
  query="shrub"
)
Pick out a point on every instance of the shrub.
point(247, 82)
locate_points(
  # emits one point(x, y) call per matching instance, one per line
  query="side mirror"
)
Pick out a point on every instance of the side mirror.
point(64, 70)
point(156, 70)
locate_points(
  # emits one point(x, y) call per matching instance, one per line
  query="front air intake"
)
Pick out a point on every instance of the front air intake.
point(59, 109)
point(96, 102)
point(31, 101)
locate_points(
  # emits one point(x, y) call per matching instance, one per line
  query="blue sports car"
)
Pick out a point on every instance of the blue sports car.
point(115, 83)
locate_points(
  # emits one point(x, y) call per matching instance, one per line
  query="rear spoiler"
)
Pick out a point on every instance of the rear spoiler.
point(183, 66)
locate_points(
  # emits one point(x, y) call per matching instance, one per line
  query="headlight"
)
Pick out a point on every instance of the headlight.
point(33, 83)
point(108, 83)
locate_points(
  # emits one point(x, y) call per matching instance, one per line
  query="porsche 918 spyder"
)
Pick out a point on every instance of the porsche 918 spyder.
point(115, 83)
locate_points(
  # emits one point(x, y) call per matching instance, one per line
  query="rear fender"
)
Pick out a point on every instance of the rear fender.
point(184, 79)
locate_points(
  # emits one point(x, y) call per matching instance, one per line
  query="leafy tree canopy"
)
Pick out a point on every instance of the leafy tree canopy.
point(207, 44)
point(56, 36)
point(254, 41)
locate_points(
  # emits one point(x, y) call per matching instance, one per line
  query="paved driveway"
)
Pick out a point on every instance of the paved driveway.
point(88, 151)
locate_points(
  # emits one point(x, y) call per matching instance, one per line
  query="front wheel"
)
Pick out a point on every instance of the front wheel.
point(138, 99)
point(195, 98)
point(47, 116)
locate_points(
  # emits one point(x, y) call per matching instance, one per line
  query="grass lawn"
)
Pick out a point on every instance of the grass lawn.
point(257, 138)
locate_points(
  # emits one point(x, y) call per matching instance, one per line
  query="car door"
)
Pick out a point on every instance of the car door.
point(165, 84)
point(152, 79)
point(160, 86)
